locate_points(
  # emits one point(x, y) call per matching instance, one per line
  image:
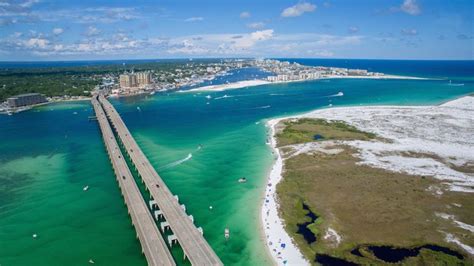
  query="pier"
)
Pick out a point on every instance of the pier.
point(162, 202)
point(152, 243)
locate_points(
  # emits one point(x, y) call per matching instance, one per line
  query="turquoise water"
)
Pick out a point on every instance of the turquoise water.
point(47, 155)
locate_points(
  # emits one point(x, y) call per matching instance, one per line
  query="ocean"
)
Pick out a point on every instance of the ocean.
point(48, 154)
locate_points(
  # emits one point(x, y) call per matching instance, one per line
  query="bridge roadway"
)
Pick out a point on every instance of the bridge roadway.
point(153, 245)
point(193, 243)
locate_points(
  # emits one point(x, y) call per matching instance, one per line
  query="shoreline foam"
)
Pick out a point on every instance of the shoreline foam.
point(274, 230)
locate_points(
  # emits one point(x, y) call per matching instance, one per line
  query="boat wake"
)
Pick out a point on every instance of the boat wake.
point(176, 163)
point(456, 84)
point(263, 107)
point(339, 94)
point(276, 94)
point(223, 97)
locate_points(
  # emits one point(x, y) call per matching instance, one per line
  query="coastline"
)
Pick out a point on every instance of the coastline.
point(230, 86)
point(279, 244)
point(259, 82)
point(272, 223)
point(30, 107)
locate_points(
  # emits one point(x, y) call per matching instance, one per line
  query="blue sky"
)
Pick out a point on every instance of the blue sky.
point(391, 29)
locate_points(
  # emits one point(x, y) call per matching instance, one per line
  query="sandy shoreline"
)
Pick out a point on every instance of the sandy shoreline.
point(259, 82)
point(278, 242)
point(230, 86)
point(457, 150)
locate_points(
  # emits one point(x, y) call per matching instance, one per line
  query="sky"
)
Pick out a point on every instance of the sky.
point(36, 30)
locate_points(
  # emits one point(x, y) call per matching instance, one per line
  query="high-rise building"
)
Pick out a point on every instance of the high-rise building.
point(128, 80)
point(144, 78)
point(25, 99)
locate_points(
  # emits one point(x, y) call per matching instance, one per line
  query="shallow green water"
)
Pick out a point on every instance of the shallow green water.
point(49, 154)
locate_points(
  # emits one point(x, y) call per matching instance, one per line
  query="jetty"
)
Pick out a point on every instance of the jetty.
point(178, 225)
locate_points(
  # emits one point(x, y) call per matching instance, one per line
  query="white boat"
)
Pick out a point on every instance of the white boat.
point(152, 93)
point(85, 188)
point(226, 233)
point(208, 97)
point(242, 180)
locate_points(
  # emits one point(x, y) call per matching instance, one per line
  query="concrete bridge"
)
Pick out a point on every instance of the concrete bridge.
point(162, 202)
point(153, 245)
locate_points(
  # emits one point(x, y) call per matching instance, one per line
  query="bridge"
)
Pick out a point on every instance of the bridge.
point(167, 205)
point(153, 245)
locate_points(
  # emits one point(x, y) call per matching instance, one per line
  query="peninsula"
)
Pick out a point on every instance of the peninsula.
point(360, 185)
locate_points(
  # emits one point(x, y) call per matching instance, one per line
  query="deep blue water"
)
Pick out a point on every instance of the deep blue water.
point(423, 68)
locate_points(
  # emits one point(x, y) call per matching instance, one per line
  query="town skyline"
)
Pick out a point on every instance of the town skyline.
point(34, 30)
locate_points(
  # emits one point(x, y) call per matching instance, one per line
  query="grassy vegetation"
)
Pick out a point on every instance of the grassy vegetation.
point(366, 206)
point(304, 130)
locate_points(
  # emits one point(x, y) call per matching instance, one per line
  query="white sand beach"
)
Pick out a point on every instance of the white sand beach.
point(229, 86)
point(441, 137)
point(259, 82)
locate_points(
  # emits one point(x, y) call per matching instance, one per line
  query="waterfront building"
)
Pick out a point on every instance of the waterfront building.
point(144, 78)
point(25, 100)
point(272, 78)
point(128, 80)
point(357, 72)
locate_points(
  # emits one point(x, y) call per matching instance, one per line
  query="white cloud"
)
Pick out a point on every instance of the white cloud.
point(92, 31)
point(249, 40)
point(29, 3)
point(37, 43)
point(58, 31)
point(410, 7)
point(187, 47)
point(258, 43)
point(409, 32)
point(194, 19)
point(353, 29)
point(256, 25)
point(245, 14)
point(298, 9)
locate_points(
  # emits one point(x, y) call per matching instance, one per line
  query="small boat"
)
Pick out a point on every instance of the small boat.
point(152, 93)
point(208, 97)
point(85, 188)
point(226, 233)
point(35, 235)
point(242, 180)
point(91, 261)
point(75, 113)
point(138, 108)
